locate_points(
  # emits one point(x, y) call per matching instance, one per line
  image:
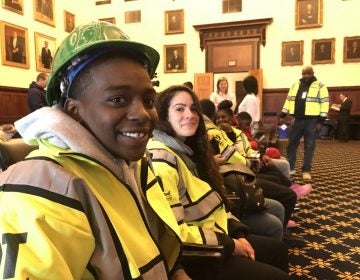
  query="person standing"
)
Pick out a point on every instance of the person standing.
point(343, 118)
point(251, 102)
point(308, 102)
point(222, 92)
point(46, 57)
point(36, 93)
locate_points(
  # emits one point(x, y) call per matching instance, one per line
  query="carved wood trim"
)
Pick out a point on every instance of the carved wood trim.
point(245, 29)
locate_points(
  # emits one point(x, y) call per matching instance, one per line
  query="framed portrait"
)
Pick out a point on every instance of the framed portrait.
point(308, 13)
point(292, 53)
point(323, 51)
point(102, 2)
point(231, 6)
point(175, 58)
point(14, 45)
point(110, 20)
point(174, 22)
point(45, 48)
point(14, 6)
point(133, 16)
point(352, 49)
point(69, 21)
point(44, 11)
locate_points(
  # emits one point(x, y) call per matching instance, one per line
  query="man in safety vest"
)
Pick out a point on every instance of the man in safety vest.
point(308, 102)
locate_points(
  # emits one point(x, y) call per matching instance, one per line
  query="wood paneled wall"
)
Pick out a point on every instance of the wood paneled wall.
point(13, 104)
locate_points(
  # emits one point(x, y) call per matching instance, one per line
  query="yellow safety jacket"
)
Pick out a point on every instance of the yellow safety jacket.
point(317, 100)
point(242, 143)
point(225, 143)
point(199, 210)
point(66, 216)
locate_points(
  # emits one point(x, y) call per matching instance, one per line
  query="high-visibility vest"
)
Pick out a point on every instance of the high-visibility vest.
point(199, 209)
point(316, 103)
point(81, 221)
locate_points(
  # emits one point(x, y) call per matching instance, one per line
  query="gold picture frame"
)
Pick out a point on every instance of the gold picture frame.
point(175, 58)
point(308, 13)
point(174, 22)
point(14, 6)
point(102, 2)
point(292, 53)
point(14, 52)
point(351, 49)
point(323, 51)
point(133, 16)
point(69, 21)
point(44, 11)
point(45, 47)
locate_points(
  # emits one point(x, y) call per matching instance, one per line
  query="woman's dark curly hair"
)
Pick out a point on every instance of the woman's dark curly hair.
point(203, 155)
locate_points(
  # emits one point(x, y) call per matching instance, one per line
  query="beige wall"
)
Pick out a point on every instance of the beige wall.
point(340, 19)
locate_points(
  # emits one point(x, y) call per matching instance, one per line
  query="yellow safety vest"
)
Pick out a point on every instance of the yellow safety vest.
point(199, 209)
point(317, 100)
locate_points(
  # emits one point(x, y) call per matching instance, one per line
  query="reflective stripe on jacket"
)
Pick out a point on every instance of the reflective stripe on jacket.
point(317, 100)
point(224, 143)
point(199, 210)
point(80, 224)
point(242, 143)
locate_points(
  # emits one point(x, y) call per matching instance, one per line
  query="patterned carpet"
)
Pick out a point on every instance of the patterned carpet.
point(329, 217)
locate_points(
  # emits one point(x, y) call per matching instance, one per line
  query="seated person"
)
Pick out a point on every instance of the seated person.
point(271, 185)
point(244, 120)
point(75, 209)
point(182, 159)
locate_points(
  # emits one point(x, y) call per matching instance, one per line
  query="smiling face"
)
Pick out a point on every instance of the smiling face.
point(222, 117)
point(117, 106)
point(183, 117)
point(223, 85)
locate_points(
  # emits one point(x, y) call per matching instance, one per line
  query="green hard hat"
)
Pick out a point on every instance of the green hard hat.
point(89, 39)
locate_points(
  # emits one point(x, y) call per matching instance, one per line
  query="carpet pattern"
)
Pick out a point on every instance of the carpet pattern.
point(329, 218)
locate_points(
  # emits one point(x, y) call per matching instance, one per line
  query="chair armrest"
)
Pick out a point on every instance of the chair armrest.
point(203, 261)
point(192, 249)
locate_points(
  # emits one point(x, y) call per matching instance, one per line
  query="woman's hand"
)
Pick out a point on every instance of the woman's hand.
point(219, 159)
point(267, 160)
point(243, 248)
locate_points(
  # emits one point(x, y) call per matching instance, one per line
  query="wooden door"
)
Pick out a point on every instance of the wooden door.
point(203, 84)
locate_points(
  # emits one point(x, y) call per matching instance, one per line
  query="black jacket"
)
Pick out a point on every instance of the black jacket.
point(36, 97)
point(345, 109)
